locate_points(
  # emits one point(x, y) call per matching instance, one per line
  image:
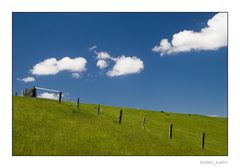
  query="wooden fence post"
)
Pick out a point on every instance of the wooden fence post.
point(60, 97)
point(34, 92)
point(98, 109)
point(143, 123)
point(203, 140)
point(120, 117)
point(78, 103)
point(170, 131)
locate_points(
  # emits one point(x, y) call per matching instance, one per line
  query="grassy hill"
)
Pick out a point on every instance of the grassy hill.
point(44, 127)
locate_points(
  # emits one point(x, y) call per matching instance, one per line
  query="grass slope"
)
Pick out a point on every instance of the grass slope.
point(44, 127)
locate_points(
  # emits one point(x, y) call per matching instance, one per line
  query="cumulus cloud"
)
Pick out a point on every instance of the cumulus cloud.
point(102, 64)
point(103, 55)
point(76, 75)
point(27, 79)
point(212, 37)
point(52, 66)
point(122, 65)
point(47, 95)
point(126, 65)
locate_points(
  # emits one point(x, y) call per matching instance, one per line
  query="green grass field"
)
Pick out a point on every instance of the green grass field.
point(45, 127)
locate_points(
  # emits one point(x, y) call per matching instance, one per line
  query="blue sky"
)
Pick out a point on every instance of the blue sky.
point(186, 73)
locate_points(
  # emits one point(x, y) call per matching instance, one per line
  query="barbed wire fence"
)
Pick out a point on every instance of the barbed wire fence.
point(32, 92)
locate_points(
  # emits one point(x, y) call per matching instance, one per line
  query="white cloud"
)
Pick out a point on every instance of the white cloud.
point(102, 64)
point(27, 79)
point(212, 37)
point(92, 48)
point(47, 67)
point(126, 65)
point(103, 55)
point(73, 65)
point(76, 75)
point(52, 66)
point(47, 95)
